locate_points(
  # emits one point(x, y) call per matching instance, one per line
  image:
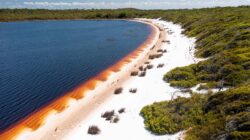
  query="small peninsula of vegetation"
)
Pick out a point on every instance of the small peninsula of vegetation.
point(224, 115)
point(222, 38)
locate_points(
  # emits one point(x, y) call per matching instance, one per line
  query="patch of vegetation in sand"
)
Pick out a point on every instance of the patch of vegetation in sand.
point(94, 130)
point(224, 115)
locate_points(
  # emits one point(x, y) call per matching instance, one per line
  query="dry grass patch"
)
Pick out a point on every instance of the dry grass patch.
point(118, 90)
point(141, 68)
point(160, 50)
point(167, 41)
point(153, 56)
point(134, 73)
point(158, 55)
point(93, 130)
point(150, 66)
point(116, 119)
point(122, 110)
point(142, 74)
point(108, 114)
point(160, 65)
point(133, 90)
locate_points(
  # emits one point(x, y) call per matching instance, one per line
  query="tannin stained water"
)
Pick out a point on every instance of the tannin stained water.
point(42, 60)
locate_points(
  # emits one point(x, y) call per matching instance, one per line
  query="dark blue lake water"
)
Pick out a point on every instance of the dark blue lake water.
point(41, 60)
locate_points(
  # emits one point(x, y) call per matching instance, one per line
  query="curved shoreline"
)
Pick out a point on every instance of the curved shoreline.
point(102, 83)
point(150, 88)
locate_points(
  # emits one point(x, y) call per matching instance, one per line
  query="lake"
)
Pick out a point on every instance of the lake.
point(42, 60)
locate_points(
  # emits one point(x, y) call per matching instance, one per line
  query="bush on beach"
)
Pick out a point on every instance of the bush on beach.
point(93, 130)
point(134, 73)
point(141, 68)
point(116, 119)
point(149, 66)
point(160, 65)
point(108, 114)
point(133, 90)
point(118, 90)
point(142, 74)
point(122, 110)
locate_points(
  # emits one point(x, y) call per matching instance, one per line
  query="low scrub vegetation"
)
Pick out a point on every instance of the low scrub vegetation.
point(149, 66)
point(45, 14)
point(224, 115)
point(133, 90)
point(160, 65)
point(122, 110)
point(154, 56)
point(142, 74)
point(118, 90)
point(223, 38)
point(115, 120)
point(108, 115)
point(181, 77)
point(173, 116)
point(94, 130)
point(141, 68)
point(134, 73)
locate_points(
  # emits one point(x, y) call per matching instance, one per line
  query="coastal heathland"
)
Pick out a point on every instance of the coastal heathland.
point(223, 40)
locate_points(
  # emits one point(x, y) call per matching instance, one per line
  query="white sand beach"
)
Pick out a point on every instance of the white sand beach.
point(150, 88)
point(77, 110)
point(73, 122)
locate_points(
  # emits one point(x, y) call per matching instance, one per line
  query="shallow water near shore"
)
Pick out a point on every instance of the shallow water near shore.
point(42, 60)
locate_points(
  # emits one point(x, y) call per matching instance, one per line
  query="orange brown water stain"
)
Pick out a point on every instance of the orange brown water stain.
point(37, 118)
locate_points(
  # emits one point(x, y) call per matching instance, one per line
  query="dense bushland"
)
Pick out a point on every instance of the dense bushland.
point(44, 14)
point(223, 38)
point(224, 115)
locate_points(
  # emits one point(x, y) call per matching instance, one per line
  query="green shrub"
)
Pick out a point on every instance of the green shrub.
point(183, 83)
point(181, 77)
point(222, 35)
point(170, 117)
point(224, 115)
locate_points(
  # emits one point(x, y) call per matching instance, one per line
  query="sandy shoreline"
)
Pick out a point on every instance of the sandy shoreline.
point(101, 94)
point(83, 107)
point(51, 128)
point(151, 88)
